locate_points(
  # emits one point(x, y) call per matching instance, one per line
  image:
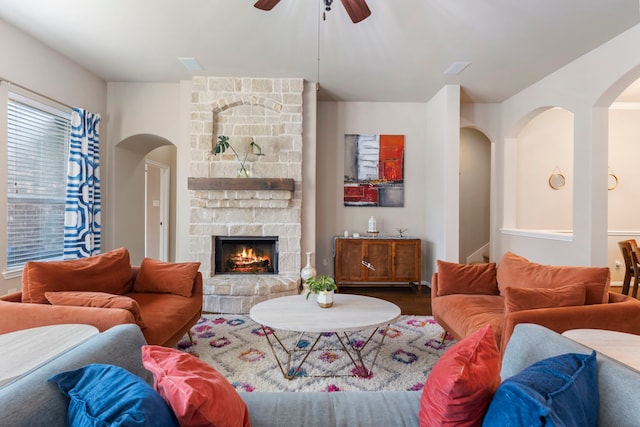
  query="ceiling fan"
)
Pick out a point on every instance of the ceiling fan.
point(357, 9)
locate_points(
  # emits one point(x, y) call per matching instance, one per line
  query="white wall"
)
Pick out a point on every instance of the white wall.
point(586, 87)
point(431, 133)
point(142, 117)
point(29, 63)
point(545, 143)
point(547, 140)
point(151, 108)
point(441, 186)
point(335, 119)
point(309, 213)
point(624, 154)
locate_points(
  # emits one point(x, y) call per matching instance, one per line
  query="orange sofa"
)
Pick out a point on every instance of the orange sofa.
point(164, 299)
point(465, 297)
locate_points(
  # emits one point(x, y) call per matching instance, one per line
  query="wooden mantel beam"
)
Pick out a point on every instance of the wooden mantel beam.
point(247, 184)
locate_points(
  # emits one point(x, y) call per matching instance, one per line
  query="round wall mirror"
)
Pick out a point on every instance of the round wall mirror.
point(556, 181)
point(613, 182)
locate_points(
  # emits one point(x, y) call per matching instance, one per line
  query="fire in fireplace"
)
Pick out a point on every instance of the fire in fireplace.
point(246, 254)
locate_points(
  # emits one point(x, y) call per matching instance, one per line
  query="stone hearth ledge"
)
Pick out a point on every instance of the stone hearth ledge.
point(237, 293)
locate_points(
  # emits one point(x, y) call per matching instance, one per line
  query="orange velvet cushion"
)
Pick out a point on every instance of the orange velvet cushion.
point(166, 277)
point(96, 299)
point(109, 272)
point(196, 392)
point(517, 299)
point(454, 278)
point(462, 382)
point(518, 272)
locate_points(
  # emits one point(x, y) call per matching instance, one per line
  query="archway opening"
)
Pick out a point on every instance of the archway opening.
point(475, 196)
point(623, 222)
point(129, 192)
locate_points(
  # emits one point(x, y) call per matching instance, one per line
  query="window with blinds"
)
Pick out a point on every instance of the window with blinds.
point(38, 138)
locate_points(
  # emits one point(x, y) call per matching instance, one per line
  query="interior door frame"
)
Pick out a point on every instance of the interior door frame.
point(165, 180)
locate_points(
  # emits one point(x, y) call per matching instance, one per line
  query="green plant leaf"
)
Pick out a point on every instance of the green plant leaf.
point(254, 147)
point(321, 283)
point(221, 145)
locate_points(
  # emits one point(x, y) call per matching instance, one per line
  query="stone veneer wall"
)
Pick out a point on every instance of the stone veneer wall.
point(269, 111)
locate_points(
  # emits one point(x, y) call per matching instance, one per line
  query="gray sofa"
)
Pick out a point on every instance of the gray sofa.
point(31, 401)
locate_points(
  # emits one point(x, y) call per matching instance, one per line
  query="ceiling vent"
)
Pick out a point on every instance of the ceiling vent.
point(191, 63)
point(456, 68)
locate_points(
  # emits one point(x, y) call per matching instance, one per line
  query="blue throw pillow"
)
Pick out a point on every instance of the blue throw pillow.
point(559, 391)
point(106, 395)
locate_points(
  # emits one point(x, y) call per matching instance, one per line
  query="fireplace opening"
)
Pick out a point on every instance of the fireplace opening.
point(246, 254)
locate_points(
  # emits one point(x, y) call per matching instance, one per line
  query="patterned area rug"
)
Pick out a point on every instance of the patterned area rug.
point(236, 346)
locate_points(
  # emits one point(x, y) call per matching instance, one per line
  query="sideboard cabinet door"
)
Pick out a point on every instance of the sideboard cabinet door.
point(348, 260)
point(406, 261)
point(381, 261)
point(379, 254)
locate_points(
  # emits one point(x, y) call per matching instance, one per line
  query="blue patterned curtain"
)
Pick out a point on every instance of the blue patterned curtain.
point(82, 207)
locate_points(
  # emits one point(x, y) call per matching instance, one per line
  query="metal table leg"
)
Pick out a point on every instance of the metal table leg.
point(290, 373)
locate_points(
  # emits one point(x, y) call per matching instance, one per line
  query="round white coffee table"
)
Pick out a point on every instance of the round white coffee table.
point(23, 350)
point(349, 313)
point(619, 346)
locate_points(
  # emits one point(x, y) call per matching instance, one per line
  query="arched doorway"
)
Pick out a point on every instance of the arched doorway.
point(623, 222)
point(475, 196)
point(129, 192)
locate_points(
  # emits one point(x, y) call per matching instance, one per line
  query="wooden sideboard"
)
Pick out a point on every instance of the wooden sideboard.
point(377, 261)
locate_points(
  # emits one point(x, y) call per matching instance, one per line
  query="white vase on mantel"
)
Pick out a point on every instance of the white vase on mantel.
point(307, 272)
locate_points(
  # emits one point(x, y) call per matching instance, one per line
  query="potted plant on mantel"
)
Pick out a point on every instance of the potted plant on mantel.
point(223, 144)
point(323, 287)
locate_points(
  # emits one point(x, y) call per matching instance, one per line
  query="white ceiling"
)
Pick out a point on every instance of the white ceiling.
point(397, 54)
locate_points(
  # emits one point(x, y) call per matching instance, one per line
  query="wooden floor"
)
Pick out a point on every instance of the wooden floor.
point(407, 298)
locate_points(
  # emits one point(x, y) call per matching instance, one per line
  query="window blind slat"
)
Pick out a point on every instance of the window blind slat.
point(36, 183)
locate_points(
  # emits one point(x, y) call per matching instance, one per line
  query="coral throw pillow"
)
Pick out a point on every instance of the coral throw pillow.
point(96, 299)
point(454, 278)
point(198, 394)
point(517, 299)
point(518, 272)
point(462, 382)
point(166, 277)
point(109, 272)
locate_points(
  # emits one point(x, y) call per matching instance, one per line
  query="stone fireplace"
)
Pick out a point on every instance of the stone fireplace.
point(265, 205)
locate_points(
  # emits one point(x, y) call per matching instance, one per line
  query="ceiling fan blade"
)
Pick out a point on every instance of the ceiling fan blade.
point(357, 9)
point(266, 4)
